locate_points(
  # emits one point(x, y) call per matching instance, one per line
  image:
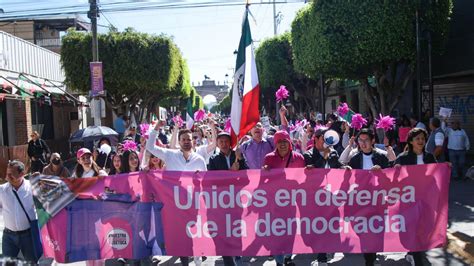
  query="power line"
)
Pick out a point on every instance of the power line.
point(129, 8)
point(110, 23)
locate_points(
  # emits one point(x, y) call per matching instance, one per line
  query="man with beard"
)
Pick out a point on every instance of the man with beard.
point(184, 159)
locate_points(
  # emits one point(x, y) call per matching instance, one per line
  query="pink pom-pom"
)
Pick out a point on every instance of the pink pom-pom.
point(145, 130)
point(129, 145)
point(385, 122)
point(299, 125)
point(358, 121)
point(178, 121)
point(343, 109)
point(228, 126)
point(199, 115)
point(282, 93)
point(320, 127)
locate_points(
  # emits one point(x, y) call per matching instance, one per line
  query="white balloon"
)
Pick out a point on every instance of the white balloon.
point(105, 148)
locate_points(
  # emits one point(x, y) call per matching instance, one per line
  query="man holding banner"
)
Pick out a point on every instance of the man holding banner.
point(368, 158)
point(184, 159)
point(227, 159)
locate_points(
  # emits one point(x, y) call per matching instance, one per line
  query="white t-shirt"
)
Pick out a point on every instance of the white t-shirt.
point(90, 173)
point(439, 139)
point(419, 159)
point(174, 159)
point(367, 163)
point(202, 150)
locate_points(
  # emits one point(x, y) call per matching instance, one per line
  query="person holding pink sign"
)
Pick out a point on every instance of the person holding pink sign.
point(415, 155)
point(368, 158)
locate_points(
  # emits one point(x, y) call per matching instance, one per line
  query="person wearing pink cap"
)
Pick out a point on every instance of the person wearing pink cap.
point(86, 167)
point(283, 157)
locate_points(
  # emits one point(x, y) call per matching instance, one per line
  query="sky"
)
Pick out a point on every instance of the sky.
point(207, 36)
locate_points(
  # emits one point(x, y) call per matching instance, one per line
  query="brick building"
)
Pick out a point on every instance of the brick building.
point(33, 98)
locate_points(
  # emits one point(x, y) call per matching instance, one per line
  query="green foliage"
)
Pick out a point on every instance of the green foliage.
point(224, 105)
point(275, 67)
point(198, 103)
point(356, 39)
point(136, 65)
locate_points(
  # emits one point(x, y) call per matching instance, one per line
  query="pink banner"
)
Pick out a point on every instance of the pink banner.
point(291, 211)
point(251, 213)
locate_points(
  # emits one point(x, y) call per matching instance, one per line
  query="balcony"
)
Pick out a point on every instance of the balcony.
point(49, 43)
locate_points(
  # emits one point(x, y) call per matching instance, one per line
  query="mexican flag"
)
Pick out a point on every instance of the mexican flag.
point(246, 90)
point(189, 114)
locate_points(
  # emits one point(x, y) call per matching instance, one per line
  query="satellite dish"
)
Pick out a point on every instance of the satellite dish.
point(331, 138)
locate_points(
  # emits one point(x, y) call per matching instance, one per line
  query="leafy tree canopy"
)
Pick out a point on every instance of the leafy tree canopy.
point(136, 66)
point(361, 38)
point(275, 67)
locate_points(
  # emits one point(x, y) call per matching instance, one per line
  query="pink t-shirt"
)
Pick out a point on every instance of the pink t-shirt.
point(273, 160)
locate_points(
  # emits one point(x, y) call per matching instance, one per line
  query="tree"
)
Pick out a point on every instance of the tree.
point(138, 68)
point(366, 39)
point(275, 67)
point(223, 106)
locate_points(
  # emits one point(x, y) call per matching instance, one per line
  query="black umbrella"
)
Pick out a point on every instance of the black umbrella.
point(94, 133)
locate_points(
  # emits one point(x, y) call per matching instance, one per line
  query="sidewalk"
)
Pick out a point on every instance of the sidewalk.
point(461, 220)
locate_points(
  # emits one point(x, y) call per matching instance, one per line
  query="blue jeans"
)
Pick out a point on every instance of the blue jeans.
point(458, 159)
point(12, 244)
point(281, 258)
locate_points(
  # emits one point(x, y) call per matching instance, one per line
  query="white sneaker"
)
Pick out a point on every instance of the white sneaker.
point(410, 259)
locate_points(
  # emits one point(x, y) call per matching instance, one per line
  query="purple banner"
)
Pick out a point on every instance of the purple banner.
point(97, 79)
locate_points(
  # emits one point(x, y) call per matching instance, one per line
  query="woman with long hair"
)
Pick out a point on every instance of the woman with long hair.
point(116, 167)
point(130, 161)
point(155, 163)
point(86, 167)
point(415, 155)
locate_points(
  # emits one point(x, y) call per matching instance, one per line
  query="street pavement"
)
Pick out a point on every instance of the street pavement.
point(461, 219)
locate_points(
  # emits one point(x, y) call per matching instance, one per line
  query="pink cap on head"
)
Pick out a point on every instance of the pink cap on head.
point(82, 151)
point(282, 136)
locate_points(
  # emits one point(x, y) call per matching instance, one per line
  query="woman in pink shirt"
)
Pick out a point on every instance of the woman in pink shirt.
point(283, 156)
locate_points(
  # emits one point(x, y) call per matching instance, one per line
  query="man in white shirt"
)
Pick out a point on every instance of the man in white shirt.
point(184, 159)
point(458, 145)
point(16, 235)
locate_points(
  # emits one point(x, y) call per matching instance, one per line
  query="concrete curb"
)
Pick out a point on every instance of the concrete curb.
point(462, 245)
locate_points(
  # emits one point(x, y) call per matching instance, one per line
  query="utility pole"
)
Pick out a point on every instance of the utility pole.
point(275, 17)
point(93, 14)
point(418, 66)
point(95, 65)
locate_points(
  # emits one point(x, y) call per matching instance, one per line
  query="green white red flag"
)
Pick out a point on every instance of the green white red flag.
point(246, 90)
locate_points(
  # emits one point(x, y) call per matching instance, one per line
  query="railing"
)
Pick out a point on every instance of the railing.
point(48, 42)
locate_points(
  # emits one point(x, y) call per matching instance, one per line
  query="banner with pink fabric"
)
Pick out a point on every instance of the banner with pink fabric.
point(255, 213)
